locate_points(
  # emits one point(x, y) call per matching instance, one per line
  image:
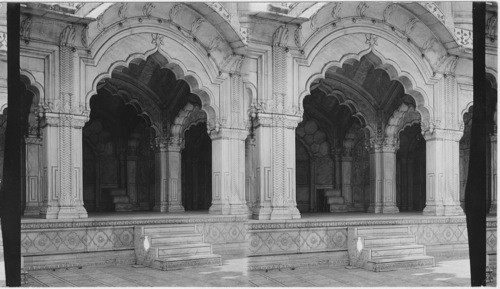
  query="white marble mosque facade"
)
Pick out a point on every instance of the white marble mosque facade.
point(297, 99)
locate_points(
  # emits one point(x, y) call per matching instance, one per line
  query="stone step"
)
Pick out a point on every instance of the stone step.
point(184, 250)
point(175, 263)
point(387, 230)
point(160, 230)
point(157, 240)
point(396, 251)
point(401, 263)
point(388, 240)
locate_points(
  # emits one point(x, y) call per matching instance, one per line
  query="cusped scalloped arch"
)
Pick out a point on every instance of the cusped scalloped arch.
point(387, 56)
point(127, 48)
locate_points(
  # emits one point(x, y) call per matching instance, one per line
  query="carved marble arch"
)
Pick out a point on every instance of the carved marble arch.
point(35, 105)
point(189, 116)
point(351, 101)
point(403, 117)
point(194, 81)
point(144, 109)
point(413, 86)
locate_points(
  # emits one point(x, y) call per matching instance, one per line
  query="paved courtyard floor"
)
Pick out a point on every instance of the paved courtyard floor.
point(233, 273)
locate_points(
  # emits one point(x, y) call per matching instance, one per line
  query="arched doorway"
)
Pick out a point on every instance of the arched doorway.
point(197, 169)
point(137, 121)
point(351, 131)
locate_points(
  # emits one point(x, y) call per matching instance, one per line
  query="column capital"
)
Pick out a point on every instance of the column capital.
point(433, 133)
point(228, 133)
point(64, 120)
point(385, 145)
point(269, 119)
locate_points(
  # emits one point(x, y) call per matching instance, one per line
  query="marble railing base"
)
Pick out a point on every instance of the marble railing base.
point(44, 262)
point(321, 259)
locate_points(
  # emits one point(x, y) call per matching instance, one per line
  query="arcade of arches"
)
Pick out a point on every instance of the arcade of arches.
point(359, 109)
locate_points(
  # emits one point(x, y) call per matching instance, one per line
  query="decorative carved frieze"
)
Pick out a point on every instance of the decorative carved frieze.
point(26, 29)
point(85, 36)
point(410, 25)
point(147, 9)
point(337, 7)
point(221, 10)
point(244, 35)
point(67, 37)
point(156, 39)
point(280, 36)
point(361, 9)
point(122, 11)
point(371, 40)
point(174, 11)
point(434, 9)
point(3, 41)
point(389, 10)
point(463, 37)
point(491, 27)
point(297, 36)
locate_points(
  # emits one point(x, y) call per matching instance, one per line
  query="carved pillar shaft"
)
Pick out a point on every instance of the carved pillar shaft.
point(228, 172)
point(493, 175)
point(376, 180)
point(263, 155)
point(346, 181)
point(337, 175)
point(443, 173)
point(250, 192)
point(174, 179)
point(161, 178)
point(62, 187)
point(32, 177)
point(132, 178)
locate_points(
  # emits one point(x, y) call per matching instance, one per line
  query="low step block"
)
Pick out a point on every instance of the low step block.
point(382, 265)
point(176, 263)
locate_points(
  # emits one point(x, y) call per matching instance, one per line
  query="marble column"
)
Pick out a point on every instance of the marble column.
point(346, 165)
point(62, 187)
point(442, 172)
point(228, 172)
point(32, 177)
point(337, 162)
point(174, 177)
point(383, 177)
point(275, 152)
point(250, 195)
point(161, 176)
point(493, 175)
point(131, 170)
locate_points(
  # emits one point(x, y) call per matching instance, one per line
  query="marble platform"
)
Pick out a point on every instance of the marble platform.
point(314, 240)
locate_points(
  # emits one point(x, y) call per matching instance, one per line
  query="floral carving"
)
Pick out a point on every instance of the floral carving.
point(463, 37)
point(388, 11)
point(85, 35)
point(174, 11)
point(371, 40)
point(67, 37)
point(147, 9)
point(361, 9)
point(122, 11)
point(26, 28)
point(156, 39)
point(3, 41)
point(280, 36)
point(297, 37)
point(336, 10)
point(434, 9)
point(410, 25)
point(491, 27)
point(196, 24)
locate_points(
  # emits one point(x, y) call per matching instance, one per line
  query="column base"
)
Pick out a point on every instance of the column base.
point(374, 208)
point(219, 209)
point(493, 208)
point(174, 208)
point(453, 210)
point(56, 212)
point(31, 210)
point(284, 213)
point(334, 208)
point(162, 208)
point(240, 209)
point(433, 210)
point(390, 209)
point(261, 212)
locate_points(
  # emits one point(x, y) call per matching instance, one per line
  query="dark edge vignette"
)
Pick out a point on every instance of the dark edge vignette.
point(11, 185)
point(475, 191)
